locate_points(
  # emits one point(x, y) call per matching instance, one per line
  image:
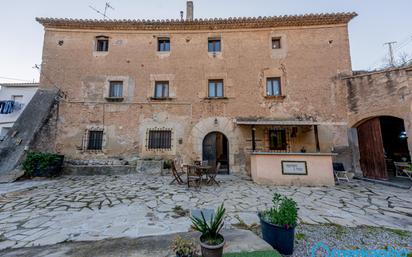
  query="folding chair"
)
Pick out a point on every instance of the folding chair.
point(401, 169)
point(339, 172)
point(212, 174)
point(177, 174)
point(193, 176)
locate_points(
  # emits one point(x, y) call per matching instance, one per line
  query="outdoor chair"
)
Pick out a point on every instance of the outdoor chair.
point(193, 176)
point(339, 172)
point(212, 175)
point(177, 173)
point(401, 170)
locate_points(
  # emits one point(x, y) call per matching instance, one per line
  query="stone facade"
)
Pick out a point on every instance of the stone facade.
point(314, 53)
point(382, 93)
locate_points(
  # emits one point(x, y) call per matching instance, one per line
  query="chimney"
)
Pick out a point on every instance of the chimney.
point(189, 10)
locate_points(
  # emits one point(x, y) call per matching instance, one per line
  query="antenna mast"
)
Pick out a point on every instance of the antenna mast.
point(103, 13)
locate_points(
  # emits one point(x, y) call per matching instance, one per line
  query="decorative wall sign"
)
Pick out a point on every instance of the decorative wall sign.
point(294, 168)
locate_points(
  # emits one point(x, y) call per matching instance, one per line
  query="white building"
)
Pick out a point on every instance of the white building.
point(21, 93)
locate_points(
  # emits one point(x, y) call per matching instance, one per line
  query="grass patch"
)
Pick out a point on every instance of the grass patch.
point(179, 211)
point(300, 236)
point(255, 228)
point(399, 232)
point(254, 254)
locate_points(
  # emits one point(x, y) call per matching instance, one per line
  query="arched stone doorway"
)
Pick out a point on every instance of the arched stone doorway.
point(382, 141)
point(215, 148)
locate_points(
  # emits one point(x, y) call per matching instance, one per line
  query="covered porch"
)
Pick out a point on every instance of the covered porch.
point(288, 152)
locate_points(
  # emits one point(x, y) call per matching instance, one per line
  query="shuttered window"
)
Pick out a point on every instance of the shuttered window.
point(160, 139)
point(273, 87)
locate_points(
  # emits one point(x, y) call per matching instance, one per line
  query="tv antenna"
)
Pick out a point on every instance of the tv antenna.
point(103, 13)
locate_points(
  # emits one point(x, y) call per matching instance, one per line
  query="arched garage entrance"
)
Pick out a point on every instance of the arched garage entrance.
point(382, 141)
point(215, 149)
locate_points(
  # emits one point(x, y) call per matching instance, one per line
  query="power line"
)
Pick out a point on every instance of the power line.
point(16, 79)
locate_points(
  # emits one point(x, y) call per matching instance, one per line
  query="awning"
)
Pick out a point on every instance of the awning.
point(247, 121)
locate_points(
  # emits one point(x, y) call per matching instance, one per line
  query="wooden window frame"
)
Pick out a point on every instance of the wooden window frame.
point(161, 41)
point(102, 47)
point(272, 89)
point(215, 83)
point(276, 39)
point(164, 85)
point(213, 42)
point(111, 85)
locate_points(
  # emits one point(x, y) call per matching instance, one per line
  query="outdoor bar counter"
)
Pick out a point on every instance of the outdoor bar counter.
point(301, 169)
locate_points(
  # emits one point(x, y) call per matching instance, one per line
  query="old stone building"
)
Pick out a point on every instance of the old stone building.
point(380, 115)
point(211, 89)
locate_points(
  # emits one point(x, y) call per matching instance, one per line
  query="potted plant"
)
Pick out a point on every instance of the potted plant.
point(278, 224)
point(183, 247)
point(211, 241)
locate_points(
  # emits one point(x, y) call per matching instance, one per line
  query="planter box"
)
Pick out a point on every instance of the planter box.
point(279, 238)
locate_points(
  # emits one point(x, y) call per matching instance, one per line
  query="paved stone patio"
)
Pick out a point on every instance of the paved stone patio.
point(99, 207)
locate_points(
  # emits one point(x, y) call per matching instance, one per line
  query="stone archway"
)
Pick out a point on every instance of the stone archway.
point(215, 124)
point(215, 150)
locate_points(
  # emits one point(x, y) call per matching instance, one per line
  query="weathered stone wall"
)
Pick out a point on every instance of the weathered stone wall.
point(309, 62)
point(382, 93)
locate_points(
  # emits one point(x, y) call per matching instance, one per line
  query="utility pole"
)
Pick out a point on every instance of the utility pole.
point(390, 48)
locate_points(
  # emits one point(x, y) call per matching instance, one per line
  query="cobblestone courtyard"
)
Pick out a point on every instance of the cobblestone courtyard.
point(98, 207)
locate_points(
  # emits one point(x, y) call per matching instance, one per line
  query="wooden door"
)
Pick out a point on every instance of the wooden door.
point(372, 159)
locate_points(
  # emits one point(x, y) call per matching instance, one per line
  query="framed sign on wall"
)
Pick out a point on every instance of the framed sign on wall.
point(294, 168)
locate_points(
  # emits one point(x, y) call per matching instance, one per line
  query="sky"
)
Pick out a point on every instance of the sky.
point(379, 21)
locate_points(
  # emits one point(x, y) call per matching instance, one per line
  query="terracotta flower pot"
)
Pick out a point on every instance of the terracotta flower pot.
point(212, 250)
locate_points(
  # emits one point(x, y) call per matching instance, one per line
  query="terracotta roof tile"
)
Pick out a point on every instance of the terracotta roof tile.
point(200, 24)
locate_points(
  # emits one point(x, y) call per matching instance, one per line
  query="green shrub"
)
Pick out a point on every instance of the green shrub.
point(284, 212)
point(41, 160)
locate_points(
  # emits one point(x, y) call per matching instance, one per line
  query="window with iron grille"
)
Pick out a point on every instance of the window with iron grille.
point(276, 43)
point(116, 89)
point(277, 139)
point(102, 44)
point(215, 88)
point(273, 87)
point(95, 140)
point(214, 45)
point(161, 89)
point(163, 44)
point(160, 139)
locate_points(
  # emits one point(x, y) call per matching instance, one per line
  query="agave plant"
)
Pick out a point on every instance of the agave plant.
point(210, 230)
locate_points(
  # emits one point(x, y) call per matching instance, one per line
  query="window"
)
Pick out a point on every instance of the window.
point(161, 89)
point(215, 88)
point(116, 89)
point(276, 43)
point(160, 139)
point(277, 139)
point(273, 87)
point(214, 45)
point(163, 45)
point(102, 44)
point(95, 140)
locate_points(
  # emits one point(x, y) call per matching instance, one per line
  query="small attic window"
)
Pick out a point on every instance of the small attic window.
point(102, 44)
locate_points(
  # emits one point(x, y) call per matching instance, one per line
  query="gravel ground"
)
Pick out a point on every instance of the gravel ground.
point(345, 238)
